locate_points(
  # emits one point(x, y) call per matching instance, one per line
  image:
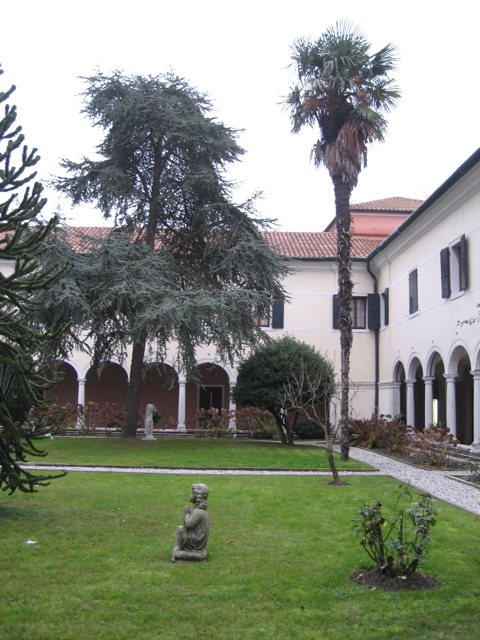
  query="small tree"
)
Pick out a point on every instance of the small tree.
point(22, 381)
point(309, 392)
point(264, 377)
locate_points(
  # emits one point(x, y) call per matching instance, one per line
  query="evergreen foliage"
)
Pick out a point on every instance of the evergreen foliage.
point(187, 264)
point(264, 378)
point(344, 90)
point(22, 381)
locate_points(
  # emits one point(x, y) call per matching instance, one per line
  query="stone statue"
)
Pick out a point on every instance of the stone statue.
point(149, 423)
point(193, 535)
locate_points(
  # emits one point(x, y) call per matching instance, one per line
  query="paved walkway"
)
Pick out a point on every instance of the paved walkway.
point(437, 483)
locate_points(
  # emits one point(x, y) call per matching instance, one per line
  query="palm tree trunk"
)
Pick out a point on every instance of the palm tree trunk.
point(345, 288)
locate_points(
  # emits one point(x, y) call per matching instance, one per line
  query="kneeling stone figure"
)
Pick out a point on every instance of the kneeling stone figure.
point(193, 535)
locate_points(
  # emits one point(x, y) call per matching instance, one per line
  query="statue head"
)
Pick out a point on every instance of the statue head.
point(199, 495)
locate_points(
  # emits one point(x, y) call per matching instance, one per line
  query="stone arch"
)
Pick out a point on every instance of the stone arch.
point(66, 391)
point(107, 384)
point(212, 388)
point(415, 393)
point(160, 388)
point(460, 367)
point(435, 370)
point(399, 406)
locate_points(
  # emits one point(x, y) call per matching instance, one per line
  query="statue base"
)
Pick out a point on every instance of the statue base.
point(182, 555)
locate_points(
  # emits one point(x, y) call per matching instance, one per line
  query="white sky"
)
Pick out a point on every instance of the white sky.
point(239, 53)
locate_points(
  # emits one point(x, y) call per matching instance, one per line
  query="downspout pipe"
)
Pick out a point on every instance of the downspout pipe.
point(377, 346)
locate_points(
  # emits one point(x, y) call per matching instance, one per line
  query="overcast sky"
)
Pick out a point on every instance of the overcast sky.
point(239, 53)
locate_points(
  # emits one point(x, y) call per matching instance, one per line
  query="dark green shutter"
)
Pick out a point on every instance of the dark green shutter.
point(464, 262)
point(373, 310)
point(445, 272)
point(336, 312)
point(413, 291)
point(386, 306)
point(277, 314)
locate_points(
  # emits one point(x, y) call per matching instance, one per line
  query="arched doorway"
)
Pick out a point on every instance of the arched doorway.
point(66, 391)
point(400, 403)
point(212, 390)
point(439, 411)
point(107, 384)
point(160, 388)
point(464, 400)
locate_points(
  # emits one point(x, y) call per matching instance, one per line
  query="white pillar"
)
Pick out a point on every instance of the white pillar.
point(451, 403)
point(476, 406)
point(395, 399)
point(232, 406)
point(410, 402)
point(181, 402)
point(81, 400)
point(429, 400)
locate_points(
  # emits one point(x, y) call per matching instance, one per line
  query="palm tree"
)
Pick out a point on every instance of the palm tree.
point(344, 91)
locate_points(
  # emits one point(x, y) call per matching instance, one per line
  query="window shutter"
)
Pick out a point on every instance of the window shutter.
point(445, 272)
point(373, 310)
point(386, 306)
point(463, 262)
point(336, 312)
point(277, 314)
point(413, 291)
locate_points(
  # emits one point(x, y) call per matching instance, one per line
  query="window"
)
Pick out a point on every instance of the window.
point(365, 312)
point(359, 313)
point(274, 319)
point(454, 268)
point(413, 291)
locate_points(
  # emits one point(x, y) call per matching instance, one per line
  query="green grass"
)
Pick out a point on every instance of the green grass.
point(281, 552)
point(186, 452)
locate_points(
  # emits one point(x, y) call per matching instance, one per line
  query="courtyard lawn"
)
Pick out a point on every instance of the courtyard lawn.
point(186, 452)
point(281, 552)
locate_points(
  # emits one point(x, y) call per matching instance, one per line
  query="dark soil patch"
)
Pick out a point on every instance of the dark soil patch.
point(372, 578)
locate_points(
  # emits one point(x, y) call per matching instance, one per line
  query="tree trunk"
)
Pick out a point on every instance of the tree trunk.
point(134, 388)
point(331, 461)
point(345, 288)
point(285, 436)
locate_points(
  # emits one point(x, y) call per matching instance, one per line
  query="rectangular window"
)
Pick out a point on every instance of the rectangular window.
point(274, 318)
point(413, 291)
point(359, 313)
point(454, 268)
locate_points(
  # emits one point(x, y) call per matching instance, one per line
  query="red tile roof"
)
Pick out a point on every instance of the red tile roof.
point(322, 244)
point(290, 244)
point(390, 205)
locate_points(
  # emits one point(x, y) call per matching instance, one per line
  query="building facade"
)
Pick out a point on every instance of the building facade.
point(416, 269)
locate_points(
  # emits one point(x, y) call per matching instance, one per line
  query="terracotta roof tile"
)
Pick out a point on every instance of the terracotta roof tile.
point(395, 204)
point(322, 244)
point(290, 244)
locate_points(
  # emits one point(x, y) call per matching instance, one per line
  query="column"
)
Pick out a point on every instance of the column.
point(181, 402)
point(451, 403)
point(81, 400)
point(410, 402)
point(395, 403)
point(429, 400)
point(232, 407)
point(476, 406)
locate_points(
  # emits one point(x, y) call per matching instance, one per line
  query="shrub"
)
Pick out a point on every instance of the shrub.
point(396, 542)
point(212, 423)
point(257, 423)
point(381, 431)
point(310, 430)
point(431, 446)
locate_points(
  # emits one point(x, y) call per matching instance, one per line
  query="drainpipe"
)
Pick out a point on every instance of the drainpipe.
point(377, 345)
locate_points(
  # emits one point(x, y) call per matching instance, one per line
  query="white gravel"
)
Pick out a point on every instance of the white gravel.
point(437, 483)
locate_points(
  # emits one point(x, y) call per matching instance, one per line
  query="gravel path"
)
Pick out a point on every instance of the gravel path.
point(434, 482)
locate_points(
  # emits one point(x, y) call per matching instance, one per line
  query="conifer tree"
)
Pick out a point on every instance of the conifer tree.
point(22, 380)
point(200, 262)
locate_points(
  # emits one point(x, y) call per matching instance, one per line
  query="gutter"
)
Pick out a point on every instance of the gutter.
point(377, 347)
